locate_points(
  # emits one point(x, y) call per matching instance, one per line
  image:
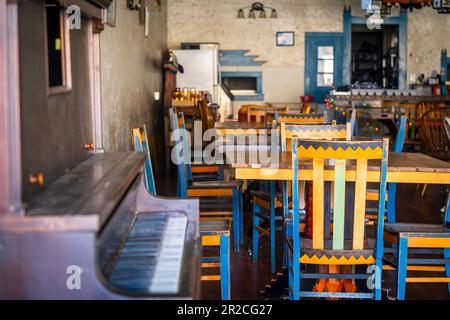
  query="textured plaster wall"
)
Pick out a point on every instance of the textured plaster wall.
point(216, 21)
point(428, 34)
point(131, 71)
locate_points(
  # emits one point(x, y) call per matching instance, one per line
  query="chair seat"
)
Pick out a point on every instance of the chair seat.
point(215, 226)
point(216, 184)
point(409, 229)
point(266, 195)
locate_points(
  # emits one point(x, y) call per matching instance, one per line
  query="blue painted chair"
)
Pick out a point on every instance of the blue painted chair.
point(215, 234)
point(265, 204)
point(340, 239)
point(219, 200)
point(140, 143)
point(392, 187)
point(419, 248)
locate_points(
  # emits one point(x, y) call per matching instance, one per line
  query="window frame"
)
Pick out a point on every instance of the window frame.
point(324, 73)
point(65, 54)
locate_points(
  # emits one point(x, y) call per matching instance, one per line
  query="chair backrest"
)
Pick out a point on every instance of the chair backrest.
point(206, 115)
point(259, 115)
point(447, 127)
point(296, 118)
point(180, 154)
point(140, 143)
point(288, 132)
point(340, 155)
point(434, 133)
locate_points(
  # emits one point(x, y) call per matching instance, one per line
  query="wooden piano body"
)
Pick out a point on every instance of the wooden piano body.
point(80, 224)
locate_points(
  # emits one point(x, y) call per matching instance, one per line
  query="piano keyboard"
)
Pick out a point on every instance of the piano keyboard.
point(150, 261)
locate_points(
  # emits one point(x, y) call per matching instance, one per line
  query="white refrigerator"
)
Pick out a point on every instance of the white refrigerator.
point(201, 69)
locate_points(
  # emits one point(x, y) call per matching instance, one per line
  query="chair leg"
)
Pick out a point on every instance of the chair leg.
point(284, 236)
point(424, 190)
point(225, 267)
point(290, 277)
point(241, 222)
point(378, 279)
point(392, 195)
point(236, 220)
point(284, 246)
point(296, 278)
point(272, 228)
point(402, 268)
point(256, 221)
point(447, 266)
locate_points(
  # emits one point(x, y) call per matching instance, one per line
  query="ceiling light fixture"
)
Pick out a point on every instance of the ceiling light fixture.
point(257, 7)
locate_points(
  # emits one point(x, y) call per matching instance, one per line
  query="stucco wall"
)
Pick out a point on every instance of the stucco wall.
point(428, 34)
point(216, 21)
point(131, 71)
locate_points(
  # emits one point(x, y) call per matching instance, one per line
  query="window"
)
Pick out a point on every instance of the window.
point(58, 49)
point(325, 67)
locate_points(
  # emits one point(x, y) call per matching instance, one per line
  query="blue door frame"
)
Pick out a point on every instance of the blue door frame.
point(313, 40)
point(401, 21)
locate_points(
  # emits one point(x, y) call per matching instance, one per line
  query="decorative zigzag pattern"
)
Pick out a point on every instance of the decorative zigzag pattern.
point(307, 128)
point(352, 145)
point(301, 116)
point(337, 261)
point(340, 153)
point(317, 134)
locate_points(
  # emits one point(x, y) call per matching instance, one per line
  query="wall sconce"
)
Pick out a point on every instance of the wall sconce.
point(133, 6)
point(257, 7)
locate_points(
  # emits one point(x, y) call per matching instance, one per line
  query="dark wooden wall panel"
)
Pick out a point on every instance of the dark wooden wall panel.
point(55, 128)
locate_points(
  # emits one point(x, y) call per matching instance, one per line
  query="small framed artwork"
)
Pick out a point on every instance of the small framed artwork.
point(285, 39)
point(111, 14)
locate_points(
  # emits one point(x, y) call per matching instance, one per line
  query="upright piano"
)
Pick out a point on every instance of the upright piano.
point(97, 233)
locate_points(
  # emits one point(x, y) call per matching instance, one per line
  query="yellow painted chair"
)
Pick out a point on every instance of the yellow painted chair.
point(346, 243)
point(270, 201)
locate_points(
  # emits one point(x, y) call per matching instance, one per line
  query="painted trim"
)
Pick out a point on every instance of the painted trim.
point(259, 84)
point(445, 64)
point(238, 58)
point(401, 21)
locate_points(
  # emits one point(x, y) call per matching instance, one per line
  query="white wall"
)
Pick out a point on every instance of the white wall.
point(216, 21)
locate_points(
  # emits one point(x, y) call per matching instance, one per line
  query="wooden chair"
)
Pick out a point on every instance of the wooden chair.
point(296, 118)
point(259, 115)
point(345, 242)
point(140, 143)
point(219, 200)
point(420, 248)
point(271, 201)
point(434, 134)
point(447, 127)
point(206, 115)
point(372, 194)
point(215, 234)
point(200, 172)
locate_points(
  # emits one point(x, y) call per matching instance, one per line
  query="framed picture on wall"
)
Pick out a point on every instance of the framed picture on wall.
point(285, 39)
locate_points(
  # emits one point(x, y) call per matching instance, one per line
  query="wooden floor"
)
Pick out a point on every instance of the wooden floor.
point(248, 279)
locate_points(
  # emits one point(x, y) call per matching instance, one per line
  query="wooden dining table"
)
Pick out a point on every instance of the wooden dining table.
point(403, 168)
point(236, 128)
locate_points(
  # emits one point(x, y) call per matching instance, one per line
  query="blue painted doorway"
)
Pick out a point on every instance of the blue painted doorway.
point(323, 63)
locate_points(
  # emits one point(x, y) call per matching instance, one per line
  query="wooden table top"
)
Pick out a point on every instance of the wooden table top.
point(236, 125)
point(403, 168)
